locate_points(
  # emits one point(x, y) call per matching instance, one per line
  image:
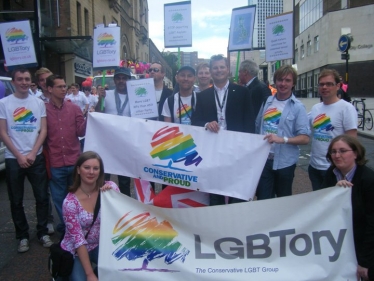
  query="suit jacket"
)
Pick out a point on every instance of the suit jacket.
point(166, 92)
point(239, 113)
point(258, 94)
point(362, 212)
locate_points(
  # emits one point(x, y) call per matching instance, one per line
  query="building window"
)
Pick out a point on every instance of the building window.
point(308, 48)
point(310, 11)
point(79, 19)
point(86, 23)
point(316, 44)
point(296, 55)
point(302, 50)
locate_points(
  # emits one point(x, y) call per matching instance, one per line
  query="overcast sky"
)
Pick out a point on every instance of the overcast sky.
point(210, 25)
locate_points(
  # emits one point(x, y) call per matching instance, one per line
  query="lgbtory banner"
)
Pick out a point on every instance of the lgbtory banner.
point(227, 163)
point(304, 237)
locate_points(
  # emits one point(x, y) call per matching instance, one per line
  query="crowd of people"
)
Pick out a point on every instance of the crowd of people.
point(41, 131)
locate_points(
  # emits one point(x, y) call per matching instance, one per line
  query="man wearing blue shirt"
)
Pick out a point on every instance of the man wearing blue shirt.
point(284, 122)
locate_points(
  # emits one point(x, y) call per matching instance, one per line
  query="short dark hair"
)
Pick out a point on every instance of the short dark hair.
point(76, 85)
point(354, 144)
point(218, 58)
point(283, 71)
point(51, 80)
point(21, 70)
point(81, 159)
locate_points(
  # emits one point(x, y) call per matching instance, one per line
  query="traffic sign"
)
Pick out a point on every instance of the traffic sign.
point(344, 43)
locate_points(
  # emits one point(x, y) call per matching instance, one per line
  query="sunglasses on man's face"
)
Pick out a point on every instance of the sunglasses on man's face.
point(154, 70)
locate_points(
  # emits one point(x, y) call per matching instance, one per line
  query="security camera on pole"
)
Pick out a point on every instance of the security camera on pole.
point(344, 45)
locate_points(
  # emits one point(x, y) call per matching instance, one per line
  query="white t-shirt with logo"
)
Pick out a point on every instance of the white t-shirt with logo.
point(23, 118)
point(110, 103)
point(182, 110)
point(327, 122)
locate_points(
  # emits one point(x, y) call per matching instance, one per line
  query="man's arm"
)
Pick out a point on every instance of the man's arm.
point(102, 95)
point(22, 160)
point(297, 140)
point(80, 123)
point(39, 141)
point(352, 133)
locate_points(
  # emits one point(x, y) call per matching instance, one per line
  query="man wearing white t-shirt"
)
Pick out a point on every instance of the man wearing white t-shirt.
point(78, 98)
point(330, 118)
point(116, 102)
point(179, 107)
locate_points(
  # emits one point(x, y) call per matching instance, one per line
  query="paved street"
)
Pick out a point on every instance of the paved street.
point(32, 265)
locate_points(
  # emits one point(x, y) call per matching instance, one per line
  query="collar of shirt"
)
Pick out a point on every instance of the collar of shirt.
point(347, 177)
point(223, 89)
point(250, 81)
point(55, 106)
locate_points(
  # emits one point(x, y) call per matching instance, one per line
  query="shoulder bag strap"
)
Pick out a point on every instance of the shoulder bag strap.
point(96, 212)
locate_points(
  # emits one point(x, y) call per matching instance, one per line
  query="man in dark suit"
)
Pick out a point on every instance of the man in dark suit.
point(157, 72)
point(259, 91)
point(225, 106)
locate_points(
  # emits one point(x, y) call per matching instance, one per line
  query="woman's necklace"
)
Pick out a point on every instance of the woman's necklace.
point(88, 194)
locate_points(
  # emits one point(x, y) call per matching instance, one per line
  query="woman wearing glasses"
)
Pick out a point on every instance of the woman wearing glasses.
point(347, 158)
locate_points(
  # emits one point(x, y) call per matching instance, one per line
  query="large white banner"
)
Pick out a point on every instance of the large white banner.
point(279, 37)
point(227, 163)
point(178, 25)
point(241, 28)
point(18, 44)
point(304, 237)
point(106, 47)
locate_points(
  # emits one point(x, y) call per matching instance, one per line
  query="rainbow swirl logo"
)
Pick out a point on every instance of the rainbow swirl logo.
point(15, 36)
point(322, 122)
point(23, 115)
point(169, 143)
point(105, 39)
point(272, 115)
point(143, 237)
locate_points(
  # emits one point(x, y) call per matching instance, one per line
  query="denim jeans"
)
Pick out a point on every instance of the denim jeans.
point(316, 177)
point(123, 184)
point(61, 180)
point(15, 178)
point(78, 273)
point(275, 182)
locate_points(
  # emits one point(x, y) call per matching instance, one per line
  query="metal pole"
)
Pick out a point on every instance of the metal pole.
point(237, 67)
point(37, 26)
point(346, 70)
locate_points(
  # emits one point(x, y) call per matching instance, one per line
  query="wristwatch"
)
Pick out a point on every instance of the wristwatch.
point(285, 140)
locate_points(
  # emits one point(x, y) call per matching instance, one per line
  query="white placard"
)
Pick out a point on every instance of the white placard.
point(18, 44)
point(304, 237)
point(278, 37)
point(106, 47)
point(142, 98)
point(228, 163)
point(241, 28)
point(178, 25)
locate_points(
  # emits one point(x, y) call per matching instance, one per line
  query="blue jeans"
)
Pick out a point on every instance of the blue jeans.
point(275, 182)
point(15, 178)
point(316, 177)
point(78, 273)
point(123, 184)
point(61, 180)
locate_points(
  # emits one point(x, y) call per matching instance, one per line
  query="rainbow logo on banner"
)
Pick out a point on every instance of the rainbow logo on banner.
point(272, 115)
point(105, 39)
point(143, 237)
point(170, 143)
point(14, 35)
point(322, 122)
point(23, 115)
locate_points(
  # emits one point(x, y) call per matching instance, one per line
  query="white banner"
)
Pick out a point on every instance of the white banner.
point(18, 44)
point(227, 163)
point(106, 46)
point(142, 98)
point(278, 37)
point(178, 25)
point(304, 237)
point(241, 28)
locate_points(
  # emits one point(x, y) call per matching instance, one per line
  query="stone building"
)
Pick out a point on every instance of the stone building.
point(63, 30)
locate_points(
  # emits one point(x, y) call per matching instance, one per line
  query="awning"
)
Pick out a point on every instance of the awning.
point(81, 46)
